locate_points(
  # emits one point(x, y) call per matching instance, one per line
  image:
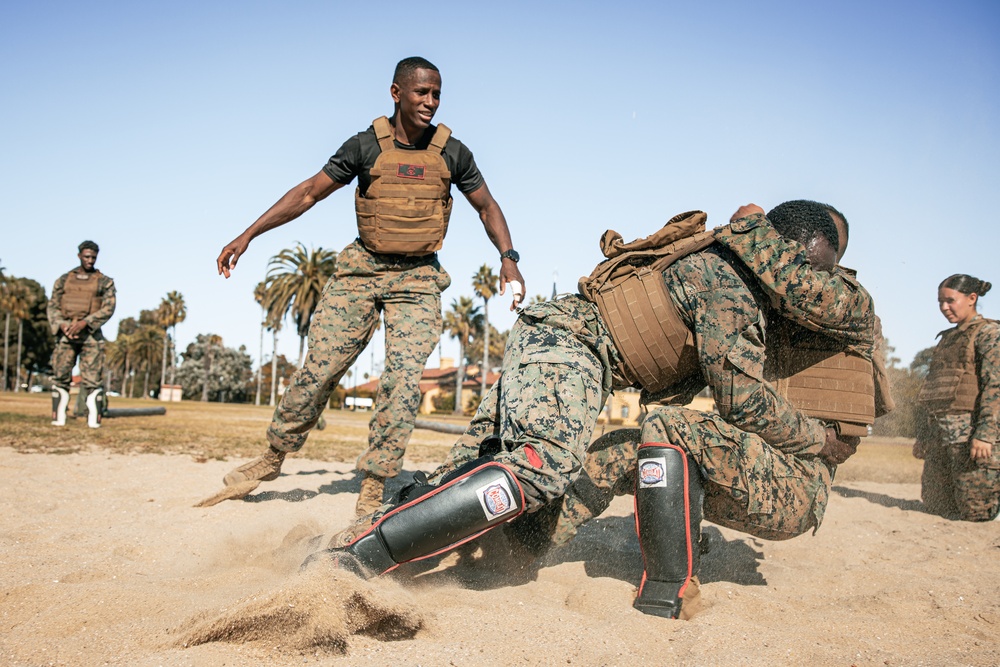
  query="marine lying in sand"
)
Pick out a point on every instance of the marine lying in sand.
point(712, 308)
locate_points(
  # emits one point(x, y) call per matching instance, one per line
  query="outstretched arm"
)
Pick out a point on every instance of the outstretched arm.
point(294, 203)
point(496, 228)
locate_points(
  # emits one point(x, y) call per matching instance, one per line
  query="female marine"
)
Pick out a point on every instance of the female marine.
point(961, 397)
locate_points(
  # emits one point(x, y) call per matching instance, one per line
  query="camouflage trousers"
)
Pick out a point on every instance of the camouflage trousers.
point(546, 403)
point(951, 482)
point(90, 350)
point(749, 485)
point(406, 291)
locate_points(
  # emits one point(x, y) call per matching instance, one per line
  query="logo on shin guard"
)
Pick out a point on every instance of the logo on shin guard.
point(651, 472)
point(496, 499)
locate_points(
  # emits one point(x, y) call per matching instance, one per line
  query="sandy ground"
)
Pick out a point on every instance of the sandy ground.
point(103, 560)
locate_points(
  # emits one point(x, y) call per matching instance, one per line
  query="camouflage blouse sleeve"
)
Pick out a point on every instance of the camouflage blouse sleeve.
point(53, 310)
point(834, 304)
point(985, 420)
point(729, 333)
point(106, 290)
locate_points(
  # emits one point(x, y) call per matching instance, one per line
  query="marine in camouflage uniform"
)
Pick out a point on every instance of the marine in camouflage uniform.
point(559, 369)
point(77, 327)
point(406, 291)
point(405, 167)
point(952, 483)
point(759, 456)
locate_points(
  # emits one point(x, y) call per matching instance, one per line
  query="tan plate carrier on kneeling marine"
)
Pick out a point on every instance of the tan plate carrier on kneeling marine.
point(952, 384)
point(79, 297)
point(408, 204)
point(655, 346)
point(822, 380)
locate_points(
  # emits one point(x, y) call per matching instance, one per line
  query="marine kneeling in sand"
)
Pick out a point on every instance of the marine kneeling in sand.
point(706, 300)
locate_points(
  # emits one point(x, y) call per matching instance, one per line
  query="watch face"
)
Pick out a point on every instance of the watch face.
point(512, 255)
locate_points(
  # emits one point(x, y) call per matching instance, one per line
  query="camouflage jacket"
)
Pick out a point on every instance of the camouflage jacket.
point(728, 307)
point(833, 303)
point(105, 291)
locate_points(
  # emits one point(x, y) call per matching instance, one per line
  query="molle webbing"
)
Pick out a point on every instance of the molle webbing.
point(79, 297)
point(655, 346)
point(408, 204)
point(831, 386)
point(952, 384)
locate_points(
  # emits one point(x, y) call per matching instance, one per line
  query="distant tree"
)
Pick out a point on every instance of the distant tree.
point(226, 376)
point(907, 419)
point(498, 341)
point(34, 353)
point(538, 298)
point(294, 284)
point(172, 311)
point(484, 283)
point(23, 305)
point(460, 322)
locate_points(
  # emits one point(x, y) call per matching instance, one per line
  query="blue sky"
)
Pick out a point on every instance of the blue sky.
point(163, 131)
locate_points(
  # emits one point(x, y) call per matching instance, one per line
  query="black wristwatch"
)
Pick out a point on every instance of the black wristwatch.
point(511, 255)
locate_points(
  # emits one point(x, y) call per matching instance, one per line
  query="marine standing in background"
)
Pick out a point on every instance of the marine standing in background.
point(961, 397)
point(82, 301)
point(405, 168)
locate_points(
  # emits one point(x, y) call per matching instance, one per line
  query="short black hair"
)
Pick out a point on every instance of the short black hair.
point(407, 66)
point(88, 245)
point(843, 218)
point(802, 220)
point(966, 284)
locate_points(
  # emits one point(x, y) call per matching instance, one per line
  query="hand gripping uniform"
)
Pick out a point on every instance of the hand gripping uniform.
point(961, 397)
point(89, 296)
point(403, 205)
point(561, 362)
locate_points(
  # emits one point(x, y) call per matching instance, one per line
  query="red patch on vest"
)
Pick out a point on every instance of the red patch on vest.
point(410, 171)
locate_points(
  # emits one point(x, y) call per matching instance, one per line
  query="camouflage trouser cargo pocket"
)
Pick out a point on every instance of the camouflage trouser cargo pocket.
point(749, 486)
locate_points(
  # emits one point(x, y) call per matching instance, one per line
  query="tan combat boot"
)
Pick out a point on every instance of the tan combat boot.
point(263, 469)
point(370, 497)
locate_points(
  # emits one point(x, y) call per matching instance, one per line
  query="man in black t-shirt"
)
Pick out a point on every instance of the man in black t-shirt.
point(403, 203)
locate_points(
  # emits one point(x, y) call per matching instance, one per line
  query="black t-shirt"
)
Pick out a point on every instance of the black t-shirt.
point(357, 156)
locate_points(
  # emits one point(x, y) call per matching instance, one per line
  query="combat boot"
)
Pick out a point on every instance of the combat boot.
point(370, 497)
point(263, 469)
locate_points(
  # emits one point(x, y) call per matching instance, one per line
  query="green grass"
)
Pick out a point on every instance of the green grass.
point(236, 431)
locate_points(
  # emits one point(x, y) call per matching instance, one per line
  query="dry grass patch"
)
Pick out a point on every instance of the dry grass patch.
point(206, 430)
point(236, 431)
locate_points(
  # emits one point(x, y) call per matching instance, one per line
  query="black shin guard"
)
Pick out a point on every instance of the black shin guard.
point(459, 510)
point(668, 510)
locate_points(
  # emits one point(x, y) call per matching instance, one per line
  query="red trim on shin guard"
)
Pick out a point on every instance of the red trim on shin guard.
point(396, 510)
point(687, 512)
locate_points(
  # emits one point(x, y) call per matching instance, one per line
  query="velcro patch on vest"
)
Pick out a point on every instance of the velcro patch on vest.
point(496, 499)
point(410, 171)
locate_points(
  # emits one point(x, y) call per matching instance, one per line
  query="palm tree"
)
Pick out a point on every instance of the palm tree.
point(259, 294)
point(147, 345)
point(172, 311)
point(16, 300)
point(295, 281)
point(459, 323)
point(485, 285)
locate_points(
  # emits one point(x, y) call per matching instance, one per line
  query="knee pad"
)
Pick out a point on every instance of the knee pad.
point(95, 407)
point(460, 509)
point(60, 402)
point(668, 511)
